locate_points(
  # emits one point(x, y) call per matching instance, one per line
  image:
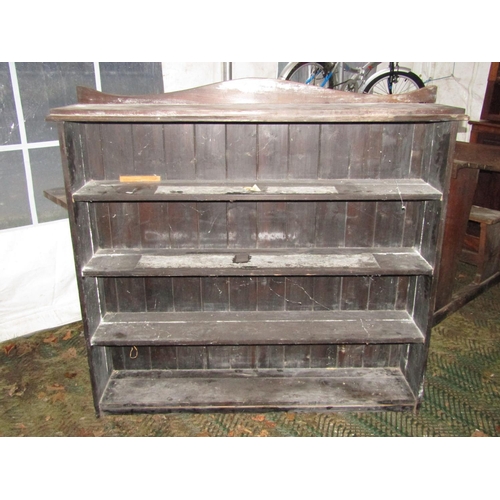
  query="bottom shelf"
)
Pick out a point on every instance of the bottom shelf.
point(348, 389)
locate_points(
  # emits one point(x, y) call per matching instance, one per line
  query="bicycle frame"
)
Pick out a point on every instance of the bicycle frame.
point(358, 82)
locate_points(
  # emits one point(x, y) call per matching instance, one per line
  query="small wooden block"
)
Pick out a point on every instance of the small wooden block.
point(140, 178)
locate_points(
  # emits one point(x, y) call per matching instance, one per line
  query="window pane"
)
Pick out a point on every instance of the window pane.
point(49, 85)
point(14, 203)
point(9, 127)
point(129, 78)
point(47, 173)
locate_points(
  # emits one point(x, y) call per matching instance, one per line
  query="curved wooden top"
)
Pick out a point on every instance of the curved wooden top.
point(257, 100)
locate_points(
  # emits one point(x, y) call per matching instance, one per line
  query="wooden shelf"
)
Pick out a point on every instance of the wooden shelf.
point(257, 328)
point(340, 262)
point(239, 390)
point(275, 249)
point(338, 189)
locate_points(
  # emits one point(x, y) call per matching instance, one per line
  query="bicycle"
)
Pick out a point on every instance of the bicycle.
point(362, 79)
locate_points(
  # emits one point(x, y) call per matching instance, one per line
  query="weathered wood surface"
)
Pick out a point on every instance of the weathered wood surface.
point(462, 186)
point(57, 196)
point(257, 328)
point(307, 390)
point(288, 228)
point(462, 298)
point(305, 190)
point(258, 100)
point(469, 159)
point(327, 262)
point(254, 91)
point(484, 215)
point(480, 156)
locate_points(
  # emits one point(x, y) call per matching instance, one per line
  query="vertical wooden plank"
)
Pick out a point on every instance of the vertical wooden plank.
point(271, 224)
point(192, 358)
point(326, 293)
point(273, 151)
point(297, 356)
point(334, 151)
point(412, 227)
point(131, 294)
point(210, 148)
point(324, 356)
point(410, 295)
point(117, 358)
point(212, 224)
point(243, 357)
point(299, 292)
point(242, 225)
point(187, 294)
point(153, 225)
point(418, 146)
point(395, 355)
point(179, 151)
point(117, 150)
point(148, 150)
point(376, 355)
point(99, 214)
point(389, 223)
point(183, 224)
point(402, 290)
point(358, 140)
point(461, 194)
point(428, 139)
point(75, 159)
point(270, 356)
point(270, 293)
point(330, 224)
point(125, 225)
point(301, 224)
point(373, 153)
point(429, 241)
point(164, 357)
point(107, 290)
point(382, 295)
point(350, 356)
point(242, 293)
point(137, 358)
point(360, 224)
point(439, 154)
point(219, 357)
point(241, 151)
point(415, 366)
point(396, 150)
point(93, 150)
point(159, 294)
point(355, 290)
point(421, 300)
point(215, 293)
point(304, 151)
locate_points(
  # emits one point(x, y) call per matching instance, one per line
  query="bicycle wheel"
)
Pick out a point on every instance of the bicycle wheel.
point(402, 83)
point(312, 73)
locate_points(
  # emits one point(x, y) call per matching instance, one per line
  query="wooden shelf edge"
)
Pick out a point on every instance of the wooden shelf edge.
point(260, 190)
point(57, 196)
point(253, 390)
point(260, 262)
point(257, 328)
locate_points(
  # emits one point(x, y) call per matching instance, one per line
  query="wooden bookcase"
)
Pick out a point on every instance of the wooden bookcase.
point(286, 258)
point(487, 131)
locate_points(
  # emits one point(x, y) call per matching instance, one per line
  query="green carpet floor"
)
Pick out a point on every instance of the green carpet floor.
point(45, 391)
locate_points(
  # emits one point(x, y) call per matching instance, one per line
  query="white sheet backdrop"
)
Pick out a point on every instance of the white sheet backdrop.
point(37, 279)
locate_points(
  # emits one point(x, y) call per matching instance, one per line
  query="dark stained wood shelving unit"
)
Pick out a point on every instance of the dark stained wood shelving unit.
point(285, 259)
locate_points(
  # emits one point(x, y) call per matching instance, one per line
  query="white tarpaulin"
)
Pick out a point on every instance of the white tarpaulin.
point(37, 279)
